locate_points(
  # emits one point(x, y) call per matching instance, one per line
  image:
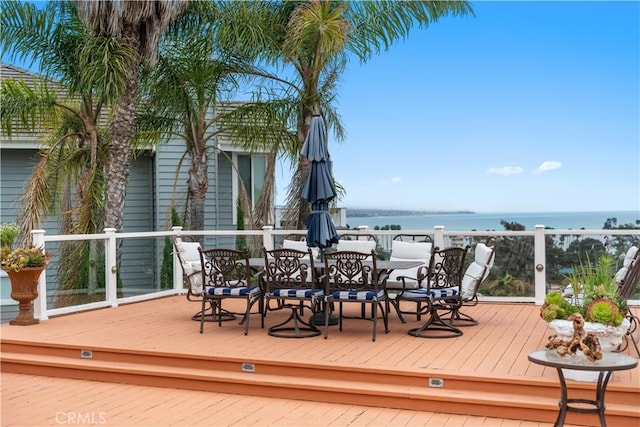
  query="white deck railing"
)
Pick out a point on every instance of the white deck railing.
point(268, 235)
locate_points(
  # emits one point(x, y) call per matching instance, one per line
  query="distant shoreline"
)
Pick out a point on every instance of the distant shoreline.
point(494, 221)
point(367, 213)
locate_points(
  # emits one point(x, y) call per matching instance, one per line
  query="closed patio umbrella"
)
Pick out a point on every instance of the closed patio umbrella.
point(319, 189)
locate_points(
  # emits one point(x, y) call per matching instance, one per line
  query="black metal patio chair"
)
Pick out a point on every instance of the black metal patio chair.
point(352, 277)
point(226, 274)
point(439, 291)
point(475, 274)
point(628, 279)
point(408, 247)
point(290, 278)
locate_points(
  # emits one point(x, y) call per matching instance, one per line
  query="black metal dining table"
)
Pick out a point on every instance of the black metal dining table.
point(384, 267)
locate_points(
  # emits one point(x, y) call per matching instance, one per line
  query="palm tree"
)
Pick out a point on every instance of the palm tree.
point(137, 25)
point(187, 96)
point(312, 41)
point(68, 109)
point(69, 177)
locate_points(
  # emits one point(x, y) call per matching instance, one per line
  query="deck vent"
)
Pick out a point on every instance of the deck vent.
point(436, 382)
point(86, 354)
point(248, 367)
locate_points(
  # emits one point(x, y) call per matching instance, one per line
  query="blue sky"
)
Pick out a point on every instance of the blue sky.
point(527, 107)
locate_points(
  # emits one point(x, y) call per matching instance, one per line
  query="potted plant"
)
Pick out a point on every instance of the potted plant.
point(23, 266)
point(591, 293)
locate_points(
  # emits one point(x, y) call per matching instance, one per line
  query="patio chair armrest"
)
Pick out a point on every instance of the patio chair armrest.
point(321, 278)
point(383, 276)
point(403, 279)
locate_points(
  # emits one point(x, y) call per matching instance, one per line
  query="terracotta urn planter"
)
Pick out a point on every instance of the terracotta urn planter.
point(24, 289)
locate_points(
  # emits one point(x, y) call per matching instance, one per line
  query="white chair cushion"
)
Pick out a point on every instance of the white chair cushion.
point(483, 255)
point(191, 267)
point(189, 250)
point(408, 251)
point(626, 264)
point(191, 264)
point(620, 274)
point(365, 246)
point(195, 282)
point(411, 250)
point(470, 279)
point(630, 255)
point(300, 246)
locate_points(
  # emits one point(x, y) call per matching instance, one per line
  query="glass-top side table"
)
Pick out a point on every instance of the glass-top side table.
point(610, 362)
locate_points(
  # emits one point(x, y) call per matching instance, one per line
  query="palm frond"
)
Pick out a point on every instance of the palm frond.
point(26, 107)
point(35, 201)
point(103, 66)
point(377, 25)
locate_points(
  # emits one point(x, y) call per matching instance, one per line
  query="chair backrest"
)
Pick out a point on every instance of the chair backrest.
point(187, 251)
point(288, 268)
point(351, 271)
point(410, 247)
point(479, 269)
point(227, 268)
point(357, 242)
point(628, 277)
point(446, 267)
point(416, 238)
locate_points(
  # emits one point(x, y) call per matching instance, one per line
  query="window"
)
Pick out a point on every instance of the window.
point(250, 170)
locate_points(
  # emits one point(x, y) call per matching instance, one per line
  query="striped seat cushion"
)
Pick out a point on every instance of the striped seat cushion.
point(236, 292)
point(296, 293)
point(434, 293)
point(356, 295)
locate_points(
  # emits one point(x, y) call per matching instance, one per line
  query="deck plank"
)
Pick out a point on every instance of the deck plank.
point(122, 405)
point(497, 347)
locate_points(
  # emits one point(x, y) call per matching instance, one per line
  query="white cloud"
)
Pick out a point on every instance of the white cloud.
point(505, 170)
point(387, 182)
point(549, 165)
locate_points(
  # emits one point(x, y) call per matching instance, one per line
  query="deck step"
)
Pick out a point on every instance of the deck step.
point(530, 400)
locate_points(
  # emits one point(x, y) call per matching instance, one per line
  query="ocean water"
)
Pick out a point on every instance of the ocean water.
point(491, 221)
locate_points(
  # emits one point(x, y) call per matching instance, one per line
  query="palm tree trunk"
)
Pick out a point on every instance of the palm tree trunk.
point(117, 175)
point(198, 185)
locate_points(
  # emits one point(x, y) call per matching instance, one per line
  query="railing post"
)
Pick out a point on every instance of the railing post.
point(178, 280)
point(267, 237)
point(539, 257)
point(111, 272)
point(40, 303)
point(438, 236)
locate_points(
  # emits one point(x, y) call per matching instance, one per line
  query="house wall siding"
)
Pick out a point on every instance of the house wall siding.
point(16, 168)
point(172, 190)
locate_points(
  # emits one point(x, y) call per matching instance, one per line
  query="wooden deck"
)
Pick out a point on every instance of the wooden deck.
point(486, 376)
